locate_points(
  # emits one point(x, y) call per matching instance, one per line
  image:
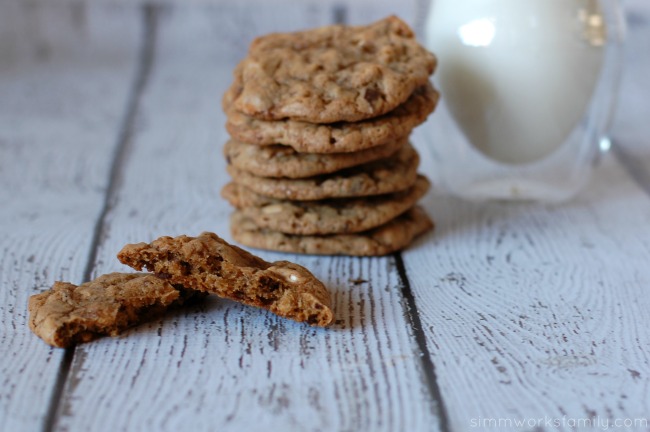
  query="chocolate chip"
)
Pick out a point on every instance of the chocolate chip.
point(270, 284)
point(371, 95)
point(264, 301)
point(186, 268)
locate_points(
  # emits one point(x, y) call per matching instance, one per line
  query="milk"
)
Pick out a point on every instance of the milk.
point(516, 75)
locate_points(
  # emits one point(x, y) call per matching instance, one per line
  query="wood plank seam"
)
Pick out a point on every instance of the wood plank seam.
point(61, 378)
point(339, 13)
point(412, 314)
point(150, 13)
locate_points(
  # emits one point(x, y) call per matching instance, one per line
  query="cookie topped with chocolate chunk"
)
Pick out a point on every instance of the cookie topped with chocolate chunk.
point(331, 74)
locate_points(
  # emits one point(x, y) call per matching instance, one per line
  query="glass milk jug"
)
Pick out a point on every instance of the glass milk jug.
point(528, 88)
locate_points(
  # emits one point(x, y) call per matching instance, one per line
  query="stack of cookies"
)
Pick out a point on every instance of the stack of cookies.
point(319, 157)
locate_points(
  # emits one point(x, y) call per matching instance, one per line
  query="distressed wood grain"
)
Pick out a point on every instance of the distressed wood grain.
point(222, 366)
point(527, 312)
point(61, 104)
point(534, 312)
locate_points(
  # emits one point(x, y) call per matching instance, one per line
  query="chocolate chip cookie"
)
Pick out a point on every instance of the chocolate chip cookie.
point(390, 237)
point(384, 176)
point(208, 263)
point(331, 74)
point(68, 314)
point(336, 137)
point(340, 216)
point(283, 161)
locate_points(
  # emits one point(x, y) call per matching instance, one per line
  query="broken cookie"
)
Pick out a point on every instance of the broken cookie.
point(208, 263)
point(68, 314)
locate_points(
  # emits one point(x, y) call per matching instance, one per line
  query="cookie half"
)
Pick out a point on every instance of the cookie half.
point(68, 314)
point(390, 237)
point(283, 161)
point(331, 74)
point(208, 263)
point(336, 216)
point(342, 137)
point(385, 176)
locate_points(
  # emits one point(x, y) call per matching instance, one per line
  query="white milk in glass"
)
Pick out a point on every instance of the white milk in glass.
point(517, 79)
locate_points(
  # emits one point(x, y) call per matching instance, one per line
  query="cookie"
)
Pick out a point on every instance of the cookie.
point(384, 176)
point(340, 216)
point(208, 263)
point(341, 137)
point(331, 74)
point(68, 314)
point(391, 237)
point(284, 161)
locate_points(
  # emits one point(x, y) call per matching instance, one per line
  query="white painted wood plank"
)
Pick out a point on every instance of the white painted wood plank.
point(535, 312)
point(61, 103)
point(223, 366)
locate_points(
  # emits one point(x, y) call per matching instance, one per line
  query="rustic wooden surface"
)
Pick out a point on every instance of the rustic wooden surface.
point(110, 132)
point(58, 129)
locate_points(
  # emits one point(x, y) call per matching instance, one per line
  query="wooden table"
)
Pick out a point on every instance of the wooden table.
point(111, 132)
